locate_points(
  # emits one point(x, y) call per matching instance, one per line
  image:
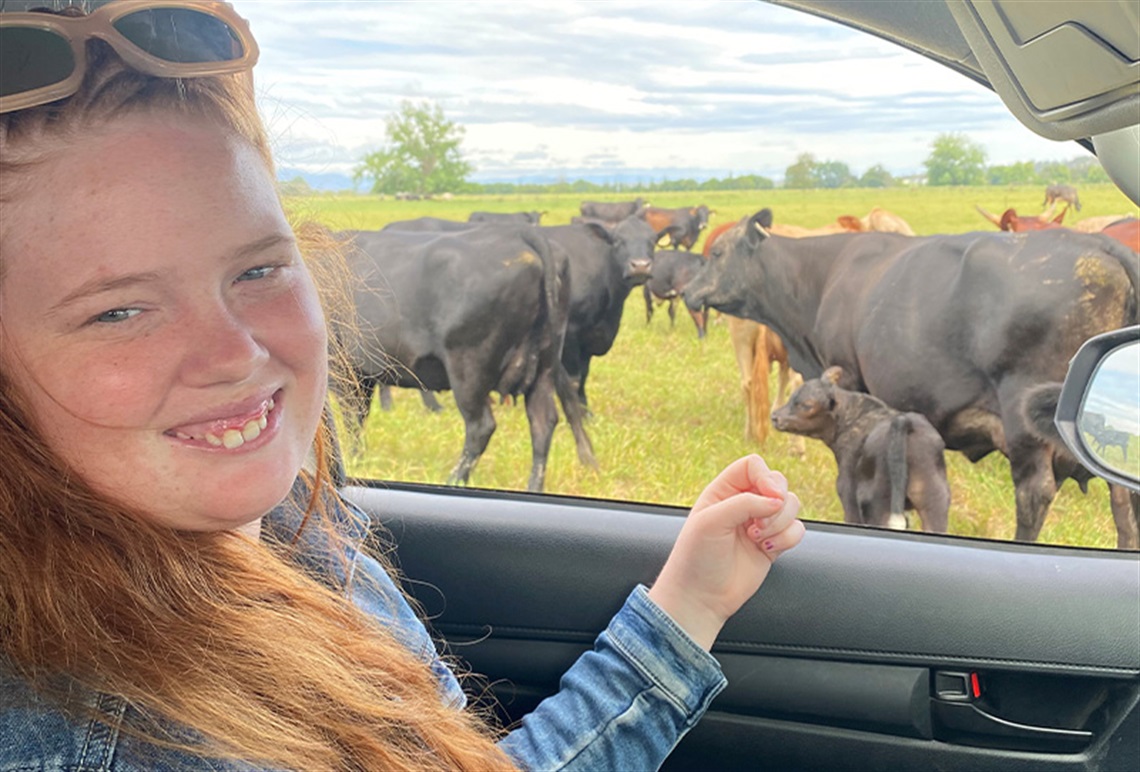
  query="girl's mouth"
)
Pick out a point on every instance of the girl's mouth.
point(233, 432)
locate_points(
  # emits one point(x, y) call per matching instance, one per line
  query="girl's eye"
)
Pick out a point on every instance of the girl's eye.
point(116, 315)
point(260, 272)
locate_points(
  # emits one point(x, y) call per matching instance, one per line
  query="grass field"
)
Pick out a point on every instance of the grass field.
point(667, 409)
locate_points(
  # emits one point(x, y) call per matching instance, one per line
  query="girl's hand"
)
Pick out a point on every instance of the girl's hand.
point(742, 521)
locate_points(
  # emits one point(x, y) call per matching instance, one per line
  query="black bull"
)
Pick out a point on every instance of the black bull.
point(957, 328)
point(477, 311)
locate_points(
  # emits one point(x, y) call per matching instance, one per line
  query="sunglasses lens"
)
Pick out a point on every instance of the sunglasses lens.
point(181, 35)
point(32, 58)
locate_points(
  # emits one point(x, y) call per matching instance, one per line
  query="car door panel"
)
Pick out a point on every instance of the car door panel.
point(858, 653)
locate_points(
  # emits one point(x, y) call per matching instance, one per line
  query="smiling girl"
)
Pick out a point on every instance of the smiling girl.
point(177, 590)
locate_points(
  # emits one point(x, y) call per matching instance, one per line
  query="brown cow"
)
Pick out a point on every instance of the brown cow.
point(683, 226)
point(1010, 221)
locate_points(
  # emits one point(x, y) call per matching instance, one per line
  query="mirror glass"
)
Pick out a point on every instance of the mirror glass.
point(1109, 421)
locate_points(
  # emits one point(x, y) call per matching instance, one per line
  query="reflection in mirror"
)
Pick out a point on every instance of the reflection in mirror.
point(1109, 421)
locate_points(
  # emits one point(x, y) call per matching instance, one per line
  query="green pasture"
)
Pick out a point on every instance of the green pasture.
point(668, 414)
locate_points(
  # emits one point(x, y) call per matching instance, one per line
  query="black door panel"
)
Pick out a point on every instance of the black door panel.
point(864, 649)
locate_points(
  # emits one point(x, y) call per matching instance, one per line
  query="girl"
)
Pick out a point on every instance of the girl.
point(179, 587)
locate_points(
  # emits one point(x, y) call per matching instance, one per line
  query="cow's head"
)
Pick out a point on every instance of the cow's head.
point(810, 410)
point(632, 243)
point(725, 281)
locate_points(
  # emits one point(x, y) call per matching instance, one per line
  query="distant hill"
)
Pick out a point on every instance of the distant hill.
point(329, 181)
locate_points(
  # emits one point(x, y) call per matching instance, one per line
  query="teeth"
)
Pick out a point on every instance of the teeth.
point(251, 430)
point(235, 438)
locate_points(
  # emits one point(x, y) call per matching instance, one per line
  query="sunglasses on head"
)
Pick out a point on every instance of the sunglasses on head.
point(43, 56)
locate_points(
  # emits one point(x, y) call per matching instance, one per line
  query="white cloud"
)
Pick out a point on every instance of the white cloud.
point(718, 86)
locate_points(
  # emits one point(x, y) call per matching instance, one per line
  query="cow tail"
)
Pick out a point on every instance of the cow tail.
point(896, 463)
point(1130, 262)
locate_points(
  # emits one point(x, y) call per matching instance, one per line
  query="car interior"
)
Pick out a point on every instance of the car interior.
point(866, 649)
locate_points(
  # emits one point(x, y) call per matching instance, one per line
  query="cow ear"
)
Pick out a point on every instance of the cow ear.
point(832, 375)
point(600, 228)
point(757, 229)
point(849, 223)
point(1008, 220)
point(642, 210)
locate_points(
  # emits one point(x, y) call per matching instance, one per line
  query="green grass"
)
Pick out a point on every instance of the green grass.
point(667, 409)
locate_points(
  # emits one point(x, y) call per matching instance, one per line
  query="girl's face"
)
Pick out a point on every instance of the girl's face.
point(157, 317)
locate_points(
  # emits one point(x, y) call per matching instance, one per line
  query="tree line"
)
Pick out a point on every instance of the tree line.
point(422, 156)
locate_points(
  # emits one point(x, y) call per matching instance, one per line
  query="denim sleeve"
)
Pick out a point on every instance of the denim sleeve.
point(622, 706)
point(625, 704)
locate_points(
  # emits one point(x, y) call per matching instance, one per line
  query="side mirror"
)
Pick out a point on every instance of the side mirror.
point(1098, 414)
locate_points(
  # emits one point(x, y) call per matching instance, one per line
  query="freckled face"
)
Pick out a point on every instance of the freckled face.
point(156, 315)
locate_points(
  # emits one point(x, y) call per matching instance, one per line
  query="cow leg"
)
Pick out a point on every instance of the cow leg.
point(673, 311)
point(385, 398)
point(573, 410)
point(1030, 461)
point(1034, 484)
point(542, 416)
point(584, 370)
point(430, 402)
point(1126, 514)
point(472, 397)
point(743, 336)
point(761, 407)
point(358, 400)
point(648, 303)
point(699, 318)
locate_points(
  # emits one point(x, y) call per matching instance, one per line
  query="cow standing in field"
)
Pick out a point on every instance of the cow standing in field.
point(682, 226)
point(671, 273)
point(477, 311)
point(957, 328)
point(888, 461)
point(611, 212)
point(607, 260)
point(1066, 193)
point(506, 218)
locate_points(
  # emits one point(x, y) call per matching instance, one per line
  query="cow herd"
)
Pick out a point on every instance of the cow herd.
point(909, 344)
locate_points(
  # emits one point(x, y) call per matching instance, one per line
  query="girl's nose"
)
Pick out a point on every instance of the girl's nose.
point(221, 348)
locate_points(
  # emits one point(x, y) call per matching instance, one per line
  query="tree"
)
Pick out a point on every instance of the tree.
point(1020, 173)
point(832, 174)
point(955, 160)
point(801, 174)
point(877, 177)
point(422, 155)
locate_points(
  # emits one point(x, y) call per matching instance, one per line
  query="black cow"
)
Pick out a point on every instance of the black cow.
point(957, 328)
point(475, 312)
point(507, 218)
point(888, 461)
point(683, 226)
point(611, 212)
point(1102, 435)
point(606, 262)
point(671, 273)
point(428, 225)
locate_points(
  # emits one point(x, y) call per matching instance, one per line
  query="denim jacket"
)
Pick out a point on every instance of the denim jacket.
point(622, 706)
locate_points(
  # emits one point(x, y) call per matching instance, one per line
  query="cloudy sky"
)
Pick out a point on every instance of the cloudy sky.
point(613, 90)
